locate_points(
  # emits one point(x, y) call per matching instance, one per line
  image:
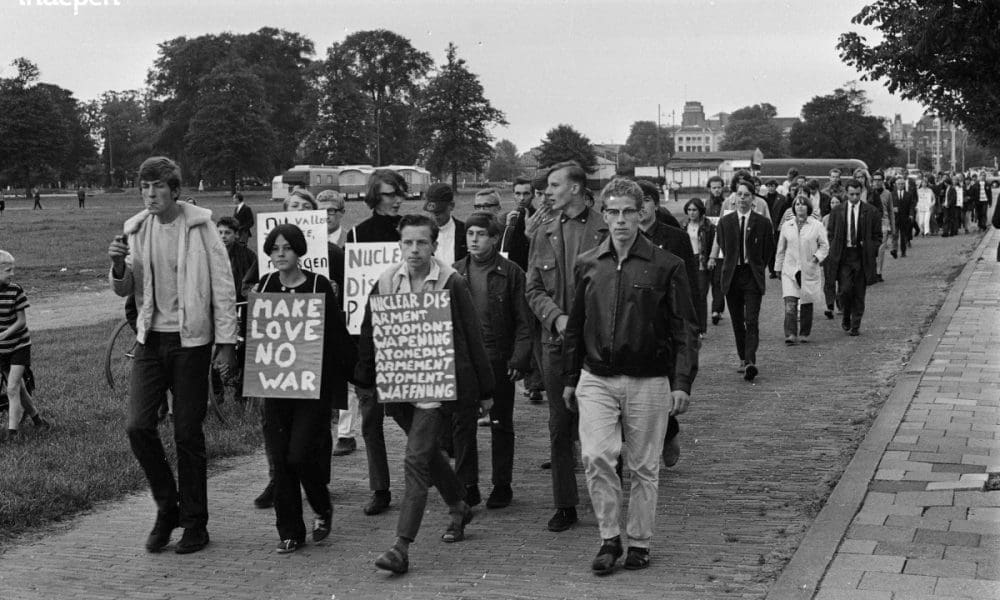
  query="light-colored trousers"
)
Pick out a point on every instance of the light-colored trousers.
point(623, 410)
point(347, 425)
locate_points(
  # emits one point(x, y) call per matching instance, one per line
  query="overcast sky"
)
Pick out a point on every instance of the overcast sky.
point(597, 65)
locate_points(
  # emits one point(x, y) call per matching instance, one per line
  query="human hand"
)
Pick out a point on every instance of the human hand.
point(679, 402)
point(225, 359)
point(711, 264)
point(561, 322)
point(515, 374)
point(569, 398)
point(484, 406)
point(117, 251)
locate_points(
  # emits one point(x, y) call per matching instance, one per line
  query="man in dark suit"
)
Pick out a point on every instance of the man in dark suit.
point(514, 241)
point(855, 234)
point(981, 195)
point(451, 244)
point(244, 216)
point(746, 241)
point(905, 205)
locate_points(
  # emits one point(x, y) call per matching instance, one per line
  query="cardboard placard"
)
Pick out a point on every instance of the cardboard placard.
point(414, 347)
point(363, 263)
point(284, 345)
point(313, 226)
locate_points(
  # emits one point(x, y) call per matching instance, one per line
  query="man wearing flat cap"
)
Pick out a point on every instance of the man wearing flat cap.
point(451, 245)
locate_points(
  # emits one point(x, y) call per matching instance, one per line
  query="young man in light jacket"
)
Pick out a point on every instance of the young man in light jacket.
point(172, 260)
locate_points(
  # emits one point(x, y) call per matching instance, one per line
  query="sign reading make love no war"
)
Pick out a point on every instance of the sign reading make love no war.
point(313, 226)
point(284, 345)
point(414, 347)
point(363, 263)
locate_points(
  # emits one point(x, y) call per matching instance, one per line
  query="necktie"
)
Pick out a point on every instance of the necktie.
point(854, 229)
point(743, 221)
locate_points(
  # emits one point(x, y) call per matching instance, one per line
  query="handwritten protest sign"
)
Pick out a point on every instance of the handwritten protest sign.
point(313, 225)
point(414, 347)
point(363, 263)
point(284, 345)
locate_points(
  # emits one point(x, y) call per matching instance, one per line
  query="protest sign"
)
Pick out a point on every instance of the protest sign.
point(363, 263)
point(414, 347)
point(284, 345)
point(313, 226)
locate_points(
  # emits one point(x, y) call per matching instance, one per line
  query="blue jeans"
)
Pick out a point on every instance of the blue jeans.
point(161, 364)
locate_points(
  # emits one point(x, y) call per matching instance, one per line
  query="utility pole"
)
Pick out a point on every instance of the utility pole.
point(659, 155)
point(952, 146)
point(937, 153)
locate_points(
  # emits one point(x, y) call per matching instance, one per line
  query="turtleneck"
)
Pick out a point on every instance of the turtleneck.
point(479, 278)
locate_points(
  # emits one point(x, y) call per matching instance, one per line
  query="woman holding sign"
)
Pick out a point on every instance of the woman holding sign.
point(296, 422)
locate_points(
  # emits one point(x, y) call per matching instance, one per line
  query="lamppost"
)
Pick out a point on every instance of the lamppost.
point(659, 155)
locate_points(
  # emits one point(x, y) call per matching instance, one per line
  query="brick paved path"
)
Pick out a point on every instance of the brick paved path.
point(757, 462)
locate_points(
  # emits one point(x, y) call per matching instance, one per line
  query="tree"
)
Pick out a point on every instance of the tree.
point(337, 135)
point(752, 127)
point(121, 120)
point(941, 53)
point(388, 70)
point(454, 116)
point(642, 146)
point(504, 163)
point(565, 143)
point(838, 126)
point(230, 135)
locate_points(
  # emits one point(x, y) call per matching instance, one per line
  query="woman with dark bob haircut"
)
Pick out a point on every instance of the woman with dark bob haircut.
point(701, 232)
point(297, 430)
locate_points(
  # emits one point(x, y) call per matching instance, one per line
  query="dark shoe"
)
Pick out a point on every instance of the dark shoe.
point(893, 254)
point(751, 372)
point(456, 530)
point(394, 559)
point(803, 339)
point(672, 452)
point(345, 446)
point(321, 527)
point(193, 540)
point(854, 332)
point(266, 498)
point(637, 558)
point(159, 537)
point(535, 396)
point(879, 279)
point(563, 519)
point(379, 502)
point(288, 546)
point(545, 466)
point(500, 497)
point(790, 340)
point(828, 313)
point(715, 318)
point(472, 497)
point(845, 326)
point(773, 275)
point(610, 552)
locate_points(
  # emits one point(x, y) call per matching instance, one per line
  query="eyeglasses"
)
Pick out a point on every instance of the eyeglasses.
point(486, 206)
point(744, 195)
point(614, 213)
point(334, 210)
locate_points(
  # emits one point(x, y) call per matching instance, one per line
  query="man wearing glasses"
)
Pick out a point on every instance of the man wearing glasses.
point(332, 202)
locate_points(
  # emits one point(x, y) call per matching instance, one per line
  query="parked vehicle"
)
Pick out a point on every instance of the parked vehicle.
point(810, 168)
point(350, 180)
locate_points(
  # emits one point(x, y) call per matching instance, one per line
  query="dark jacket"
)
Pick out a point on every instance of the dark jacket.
point(706, 235)
point(244, 215)
point(905, 205)
point(379, 228)
point(511, 320)
point(974, 192)
point(675, 240)
point(514, 242)
point(869, 236)
point(759, 246)
point(713, 206)
point(243, 261)
point(636, 320)
point(461, 245)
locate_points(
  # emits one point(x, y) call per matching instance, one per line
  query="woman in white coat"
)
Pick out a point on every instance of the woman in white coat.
point(802, 247)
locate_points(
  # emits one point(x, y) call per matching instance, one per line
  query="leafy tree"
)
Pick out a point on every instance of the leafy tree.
point(337, 135)
point(121, 120)
point(641, 144)
point(839, 126)
point(230, 135)
point(941, 53)
point(504, 165)
point(564, 143)
point(454, 116)
point(752, 127)
point(388, 70)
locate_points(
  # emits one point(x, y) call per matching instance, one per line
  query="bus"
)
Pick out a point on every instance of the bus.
point(810, 168)
point(351, 180)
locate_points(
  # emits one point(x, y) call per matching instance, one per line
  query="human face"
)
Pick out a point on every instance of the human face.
point(715, 188)
point(444, 214)
point(853, 195)
point(900, 184)
point(878, 182)
point(158, 198)
point(834, 202)
point(6, 272)
point(771, 188)
point(282, 256)
point(622, 217)
point(834, 176)
point(236, 199)
point(417, 247)
point(490, 204)
point(744, 198)
point(298, 203)
point(334, 214)
point(648, 214)
point(389, 200)
point(800, 208)
point(228, 235)
point(479, 241)
point(693, 213)
point(524, 194)
point(560, 190)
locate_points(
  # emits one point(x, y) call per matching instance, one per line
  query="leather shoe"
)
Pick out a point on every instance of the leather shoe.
point(563, 519)
point(500, 497)
point(288, 546)
point(893, 254)
point(545, 466)
point(672, 452)
point(610, 552)
point(193, 540)
point(535, 397)
point(637, 558)
point(751, 372)
point(379, 502)
point(715, 318)
point(456, 529)
point(159, 537)
point(345, 446)
point(854, 332)
point(845, 326)
point(321, 526)
point(266, 498)
point(828, 313)
point(394, 559)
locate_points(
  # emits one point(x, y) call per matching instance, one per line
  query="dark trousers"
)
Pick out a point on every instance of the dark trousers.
point(701, 305)
point(458, 435)
point(981, 210)
point(425, 465)
point(718, 298)
point(372, 417)
point(852, 282)
point(562, 431)
point(502, 427)
point(159, 364)
point(796, 323)
point(744, 300)
point(905, 228)
point(298, 433)
point(829, 283)
point(534, 380)
point(952, 218)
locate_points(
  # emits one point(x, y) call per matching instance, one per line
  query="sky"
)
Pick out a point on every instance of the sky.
point(598, 65)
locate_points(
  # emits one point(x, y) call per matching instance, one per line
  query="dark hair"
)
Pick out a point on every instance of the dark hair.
point(697, 203)
point(161, 168)
point(713, 179)
point(805, 200)
point(373, 195)
point(418, 220)
point(793, 173)
point(771, 182)
point(853, 183)
point(574, 173)
point(522, 181)
point(292, 234)
point(485, 220)
point(650, 190)
point(229, 222)
point(238, 196)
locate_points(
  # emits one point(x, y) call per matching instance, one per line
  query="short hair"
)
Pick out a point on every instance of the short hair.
point(879, 173)
point(697, 203)
point(301, 193)
point(229, 222)
point(813, 184)
point(485, 220)
point(650, 190)
point(793, 173)
point(418, 220)
point(292, 234)
point(574, 173)
point(713, 179)
point(620, 186)
point(6, 257)
point(802, 198)
point(522, 181)
point(238, 196)
point(853, 183)
point(488, 192)
point(771, 182)
point(161, 168)
point(835, 170)
point(375, 181)
point(329, 196)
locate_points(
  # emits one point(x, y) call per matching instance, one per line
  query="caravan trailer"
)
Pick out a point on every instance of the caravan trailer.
point(351, 180)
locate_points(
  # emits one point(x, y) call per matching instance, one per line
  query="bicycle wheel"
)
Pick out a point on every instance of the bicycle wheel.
point(118, 356)
point(213, 407)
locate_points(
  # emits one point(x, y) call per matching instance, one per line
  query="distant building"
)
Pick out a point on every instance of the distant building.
point(920, 139)
point(692, 169)
point(696, 133)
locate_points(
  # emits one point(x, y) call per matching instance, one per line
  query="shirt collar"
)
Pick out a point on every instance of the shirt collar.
point(582, 217)
point(641, 248)
point(401, 279)
point(447, 227)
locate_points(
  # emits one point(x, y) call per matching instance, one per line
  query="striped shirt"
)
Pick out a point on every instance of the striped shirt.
point(12, 300)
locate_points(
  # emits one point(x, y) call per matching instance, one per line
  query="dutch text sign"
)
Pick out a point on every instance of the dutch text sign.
point(313, 226)
point(363, 263)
